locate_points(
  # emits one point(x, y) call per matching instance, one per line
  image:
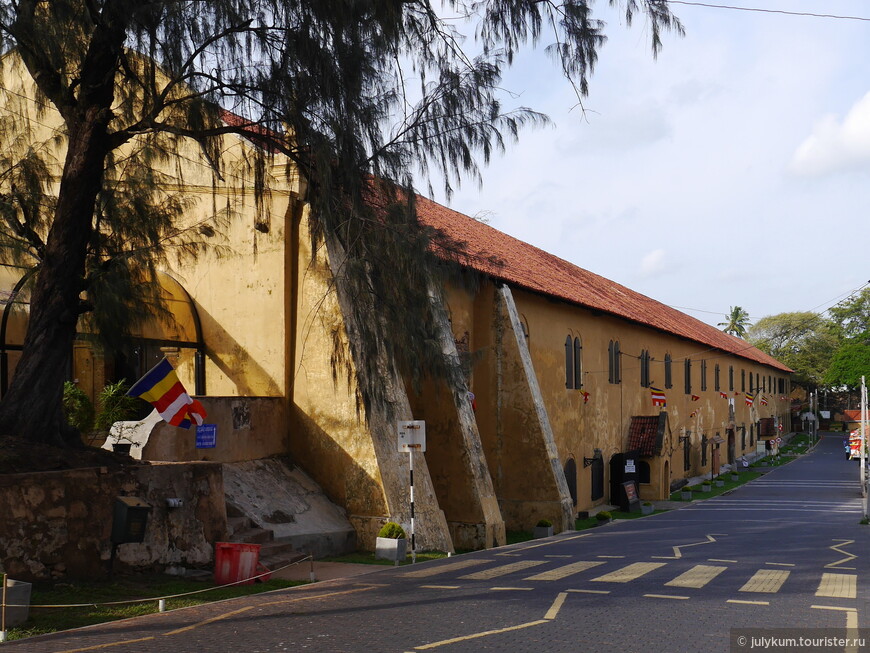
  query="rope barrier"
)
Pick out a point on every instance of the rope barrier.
point(161, 598)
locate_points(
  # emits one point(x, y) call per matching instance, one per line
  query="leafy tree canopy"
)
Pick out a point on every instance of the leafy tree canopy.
point(349, 91)
point(850, 362)
point(805, 341)
point(853, 314)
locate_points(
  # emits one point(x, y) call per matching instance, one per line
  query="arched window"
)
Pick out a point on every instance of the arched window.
point(644, 368)
point(569, 363)
point(578, 364)
point(614, 374)
point(669, 378)
point(688, 370)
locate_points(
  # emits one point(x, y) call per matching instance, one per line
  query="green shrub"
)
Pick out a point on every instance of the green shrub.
point(392, 530)
point(115, 405)
point(77, 408)
point(544, 523)
point(603, 516)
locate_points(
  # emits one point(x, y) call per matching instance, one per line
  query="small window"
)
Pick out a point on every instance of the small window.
point(687, 451)
point(669, 379)
point(731, 377)
point(569, 363)
point(742, 380)
point(644, 368)
point(703, 375)
point(704, 450)
point(614, 373)
point(688, 369)
point(578, 364)
point(643, 475)
point(716, 383)
point(751, 381)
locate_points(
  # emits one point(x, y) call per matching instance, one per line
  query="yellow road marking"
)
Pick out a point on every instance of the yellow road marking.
point(748, 602)
point(563, 572)
point(765, 580)
point(99, 646)
point(208, 621)
point(629, 573)
point(553, 612)
point(590, 591)
point(666, 596)
point(504, 570)
point(319, 596)
point(679, 554)
point(697, 576)
point(851, 623)
point(550, 543)
point(443, 569)
point(779, 564)
point(838, 586)
point(439, 587)
point(845, 553)
point(718, 560)
point(511, 589)
point(465, 638)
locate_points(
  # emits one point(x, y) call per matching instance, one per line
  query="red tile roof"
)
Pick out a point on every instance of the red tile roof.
point(643, 435)
point(511, 260)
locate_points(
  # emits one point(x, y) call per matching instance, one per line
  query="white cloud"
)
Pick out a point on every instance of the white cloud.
point(836, 146)
point(653, 264)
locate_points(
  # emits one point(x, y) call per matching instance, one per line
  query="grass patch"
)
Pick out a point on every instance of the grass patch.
point(137, 586)
point(591, 522)
point(744, 477)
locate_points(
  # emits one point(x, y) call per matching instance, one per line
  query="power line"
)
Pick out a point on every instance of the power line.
point(806, 14)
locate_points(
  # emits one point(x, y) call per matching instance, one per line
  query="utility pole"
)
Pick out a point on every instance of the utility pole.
point(864, 443)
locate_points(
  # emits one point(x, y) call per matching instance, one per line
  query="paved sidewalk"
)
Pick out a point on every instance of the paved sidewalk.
point(326, 570)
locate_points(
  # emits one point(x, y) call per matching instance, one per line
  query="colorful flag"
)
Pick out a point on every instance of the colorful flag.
point(585, 396)
point(763, 400)
point(749, 399)
point(161, 387)
point(694, 412)
point(695, 397)
point(724, 395)
point(658, 397)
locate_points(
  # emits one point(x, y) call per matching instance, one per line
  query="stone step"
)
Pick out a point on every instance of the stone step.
point(279, 553)
point(253, 536)
point(237, 524)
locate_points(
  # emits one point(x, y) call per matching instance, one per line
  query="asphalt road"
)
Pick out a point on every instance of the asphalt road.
point(783, 552)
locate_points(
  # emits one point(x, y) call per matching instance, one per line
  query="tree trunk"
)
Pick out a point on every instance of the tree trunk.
point(32, 408)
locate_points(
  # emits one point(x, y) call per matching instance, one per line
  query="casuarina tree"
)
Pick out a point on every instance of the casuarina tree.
point(363, 96)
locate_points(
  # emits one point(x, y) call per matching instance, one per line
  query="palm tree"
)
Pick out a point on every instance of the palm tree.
point(738, 320)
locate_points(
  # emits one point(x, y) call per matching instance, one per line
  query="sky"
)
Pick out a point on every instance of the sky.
point(732, 170)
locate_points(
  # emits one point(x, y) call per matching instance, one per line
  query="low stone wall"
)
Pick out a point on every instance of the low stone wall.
point(55, 524)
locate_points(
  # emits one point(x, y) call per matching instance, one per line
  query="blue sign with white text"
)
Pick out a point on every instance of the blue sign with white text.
point(206, 436)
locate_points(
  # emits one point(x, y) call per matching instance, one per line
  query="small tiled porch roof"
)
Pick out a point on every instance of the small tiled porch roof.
point(646, 434)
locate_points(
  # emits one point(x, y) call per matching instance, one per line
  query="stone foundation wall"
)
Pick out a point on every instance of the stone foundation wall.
point(56, 524)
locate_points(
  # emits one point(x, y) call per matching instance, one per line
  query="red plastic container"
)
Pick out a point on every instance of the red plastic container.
point(235, 561)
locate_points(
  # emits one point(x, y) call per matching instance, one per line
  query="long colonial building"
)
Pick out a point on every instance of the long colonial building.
point(577, 383)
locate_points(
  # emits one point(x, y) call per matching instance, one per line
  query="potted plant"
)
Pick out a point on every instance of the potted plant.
point(719, 482)
point(604, 517)
point(391, 543)
point(544, 528)
point(686, 494)
point(646, 508)
point(705, 486)
point(735, 476)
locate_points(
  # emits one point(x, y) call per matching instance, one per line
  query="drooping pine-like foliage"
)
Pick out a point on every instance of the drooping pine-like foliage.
point(364, 96)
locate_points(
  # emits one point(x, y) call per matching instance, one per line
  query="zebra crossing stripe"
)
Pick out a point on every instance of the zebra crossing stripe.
point(838, 586)
point(504, 570)
point(563, 572)
point(697, 576)
point(443, 569)
point(629, 573)
point(765, 580)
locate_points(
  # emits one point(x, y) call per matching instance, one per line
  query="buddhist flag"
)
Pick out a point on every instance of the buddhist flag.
point(749, 399)
point(695, 397)
point(763, 400)
point(161, 387)
point(724, 395)
point(658, 397)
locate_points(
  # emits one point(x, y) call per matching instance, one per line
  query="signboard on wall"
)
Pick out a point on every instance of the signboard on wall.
point(206, 436)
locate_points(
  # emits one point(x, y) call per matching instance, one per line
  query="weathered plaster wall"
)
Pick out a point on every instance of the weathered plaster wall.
point(248, 428)
point(55, 524)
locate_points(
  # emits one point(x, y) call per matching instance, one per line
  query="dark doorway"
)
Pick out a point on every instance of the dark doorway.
point(571, 479)
point(730, 446)
point(597, 469)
